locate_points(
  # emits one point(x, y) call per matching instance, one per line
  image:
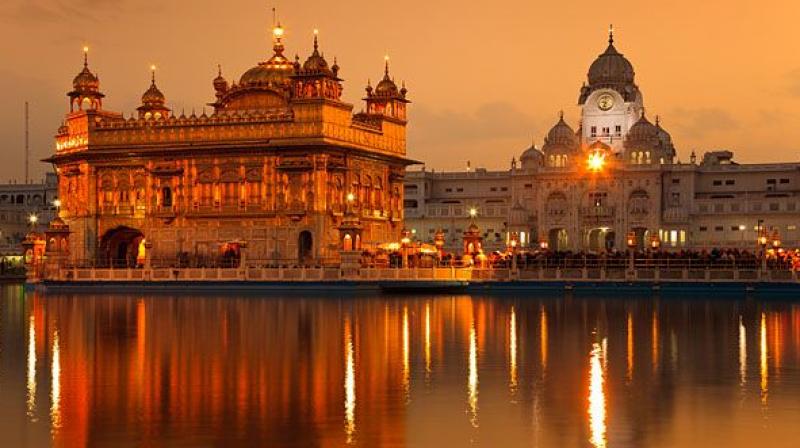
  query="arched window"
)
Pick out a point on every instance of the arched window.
point(166, 197)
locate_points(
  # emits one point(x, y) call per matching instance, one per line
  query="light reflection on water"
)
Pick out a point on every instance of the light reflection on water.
point(597, 396)
point(325, 371)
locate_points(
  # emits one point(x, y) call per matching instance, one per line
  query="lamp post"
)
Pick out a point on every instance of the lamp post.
point(513, 242)
point(405, 241)
point(630, 240)
point(762, 241)
point(655, 242)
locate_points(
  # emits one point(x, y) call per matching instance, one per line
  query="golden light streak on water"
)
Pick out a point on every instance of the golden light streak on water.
point(630, 347)
point(655, 335)
point(427, 340)
point(742, 353)
point(31, 377)
point(55, 389)
point(141, 337)
point(349, 385)
point(764, 365)
point(543, 337)
point(776, 336)
point(472, 379)
point(512, 352)
point(406, 356)
point(597, 398)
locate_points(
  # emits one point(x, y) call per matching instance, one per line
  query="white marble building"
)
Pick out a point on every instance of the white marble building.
point(18, 201)
point(588, 187)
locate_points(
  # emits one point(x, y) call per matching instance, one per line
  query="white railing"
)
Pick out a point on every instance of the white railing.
point(463, 274)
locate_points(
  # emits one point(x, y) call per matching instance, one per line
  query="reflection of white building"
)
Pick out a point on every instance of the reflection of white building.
point(17, 203)
point(586, 188)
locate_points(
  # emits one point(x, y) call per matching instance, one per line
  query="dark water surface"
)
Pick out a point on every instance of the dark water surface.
point(422, 371)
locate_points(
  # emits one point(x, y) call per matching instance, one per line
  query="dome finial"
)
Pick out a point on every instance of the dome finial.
point(561, 115)
point(85, 56)
point(219, 70)
point(386, 67)
point(316, 42)
point(611, 34)
point(153, 74)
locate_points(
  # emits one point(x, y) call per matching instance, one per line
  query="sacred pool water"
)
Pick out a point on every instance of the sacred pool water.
point(420, 371)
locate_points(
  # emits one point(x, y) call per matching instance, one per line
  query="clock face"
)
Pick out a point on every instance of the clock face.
point(605, 101)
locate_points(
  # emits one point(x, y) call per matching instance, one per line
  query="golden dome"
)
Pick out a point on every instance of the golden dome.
point(153, 96)
point(220, 83)
point(386, 87)
point(86, 81)
point(316, 63)
point(275, 71)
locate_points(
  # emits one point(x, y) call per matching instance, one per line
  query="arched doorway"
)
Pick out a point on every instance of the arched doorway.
point(642, 237)
point(121, 247)
point(600, 239)
point(231, 254)
point(305, 248)
point(558, 239)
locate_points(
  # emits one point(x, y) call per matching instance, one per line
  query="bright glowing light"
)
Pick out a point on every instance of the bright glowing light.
point(316, 31)
point(351, 197)
point(349, 385)
point(655, 335)
point(742, 352)
point(630, 346)
point(472, 379)
point(597, 398)
point(31, 383)
point(33, 219)
point(278, 31)
point(427, 339)
point(85, 48)
point(473, 212)
point(55, 394)
point(512, 352)
point(764, 366)
point(406, 355)
point(57, 203)
point(596, 161)
point(543, 336)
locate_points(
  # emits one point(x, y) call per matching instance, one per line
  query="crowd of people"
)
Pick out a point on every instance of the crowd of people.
point(714, 258)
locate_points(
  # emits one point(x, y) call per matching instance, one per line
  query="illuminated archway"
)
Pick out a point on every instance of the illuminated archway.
point(120, 247)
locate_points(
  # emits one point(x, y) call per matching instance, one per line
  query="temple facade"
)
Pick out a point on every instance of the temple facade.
point(276, 167)
point(615, 174)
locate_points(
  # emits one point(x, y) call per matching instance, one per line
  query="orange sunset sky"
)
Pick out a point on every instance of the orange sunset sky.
point(485, 78)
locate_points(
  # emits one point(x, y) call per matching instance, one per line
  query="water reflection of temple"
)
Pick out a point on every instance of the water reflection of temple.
point(328, 372)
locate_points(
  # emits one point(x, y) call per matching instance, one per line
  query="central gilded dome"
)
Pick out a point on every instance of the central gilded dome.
point(274, 71)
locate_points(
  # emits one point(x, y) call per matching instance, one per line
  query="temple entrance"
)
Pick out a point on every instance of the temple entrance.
point(600, 239)
point(305, 248)
point(557, 239)
point(122, 247)
point(230, 254)
point(642, 237)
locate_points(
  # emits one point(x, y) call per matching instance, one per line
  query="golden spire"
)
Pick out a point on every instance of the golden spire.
point(153, 74)
point(386, 68)
point(316, 43)
point(611, 34)
point(86, 56)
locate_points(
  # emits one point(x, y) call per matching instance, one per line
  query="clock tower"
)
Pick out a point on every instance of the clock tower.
point(611, 101)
